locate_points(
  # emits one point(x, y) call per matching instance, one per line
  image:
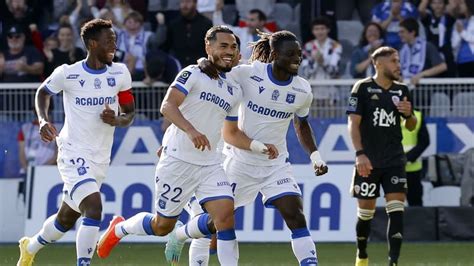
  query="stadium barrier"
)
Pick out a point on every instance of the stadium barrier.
point(453, 97)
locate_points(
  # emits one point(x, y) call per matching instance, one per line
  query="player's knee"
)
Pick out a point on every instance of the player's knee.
point(67, 222)
point(223, 220)
point(365, 214)
point(93, 211)
point(294, 218)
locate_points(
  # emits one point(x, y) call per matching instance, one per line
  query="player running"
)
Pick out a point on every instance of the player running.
point(273, 95)
point(197, 107)
point(376, 106)
point(94, 90)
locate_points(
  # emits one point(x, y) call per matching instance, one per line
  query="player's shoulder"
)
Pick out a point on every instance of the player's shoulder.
point(300, 85)
point(361, 84)
point(191, 69)
point(400, 85)
point(117, 69)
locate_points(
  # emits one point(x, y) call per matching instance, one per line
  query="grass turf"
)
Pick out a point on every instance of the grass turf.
point(413, 254)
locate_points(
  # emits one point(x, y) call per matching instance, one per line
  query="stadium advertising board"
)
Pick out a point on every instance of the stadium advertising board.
point(128, 190)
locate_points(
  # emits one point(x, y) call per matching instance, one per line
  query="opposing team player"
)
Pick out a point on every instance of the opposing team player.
point(376, 106)
point(273, 96)
point(97, 98)
point(197, 107)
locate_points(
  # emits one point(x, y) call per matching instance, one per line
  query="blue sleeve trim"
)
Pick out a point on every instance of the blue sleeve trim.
point(215, 198)
point(181, 88)
point(147, 224)
point(231, 118)
point(48, 90)
point(90, 222)
point(299, 233)
point(78, 184)
point(202, 224)
point(226, 235)
point(268, 202)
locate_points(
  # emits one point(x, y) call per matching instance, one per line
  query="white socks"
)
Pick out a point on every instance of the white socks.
point(227, 248)
point(195, 228)
point(86, 240)
point(303, 247)
point(49, 233)
point(139, 224)
point(199, 252)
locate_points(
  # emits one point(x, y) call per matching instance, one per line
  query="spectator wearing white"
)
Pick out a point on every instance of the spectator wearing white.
point(361, 63)
point(418, 58)
point(256, 20)
point(462, 41)
point(133, 41)
point(389, 14)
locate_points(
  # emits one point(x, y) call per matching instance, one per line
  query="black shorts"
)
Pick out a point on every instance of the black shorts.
point(393, 180)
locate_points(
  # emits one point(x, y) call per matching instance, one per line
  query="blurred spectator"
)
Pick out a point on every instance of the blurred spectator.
point(133, 40)
point(169, 8)
point(266, 6)
point(65, 53)
point(414, 144)
point(361, 63)
point(389, 14)
point(18, 12)
point(311, 9)
point(22, 63)
point(32, 150)
point(59, 8)
point(321, 58)
point(256, 20)
point(206, 7)
point(345, 9)
point(120, 9)
point(185, 34)
point(438, 27)
point(462, 41)
point(418, 58)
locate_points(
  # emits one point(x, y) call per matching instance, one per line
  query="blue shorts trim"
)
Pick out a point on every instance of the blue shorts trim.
point(167, 216)
point(215, 198)
point(78, 184)
point(268, 202)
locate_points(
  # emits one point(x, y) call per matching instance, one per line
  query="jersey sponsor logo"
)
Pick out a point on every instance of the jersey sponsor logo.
point(256, 78)
point(395, 99)
point(72, 76)
point(399, 92)
point(352, 104)
point(97, 83)
point(383, 119)
point(283, 181)
point(92, 101)
point(223, 183)
point(395, 180)
point(372, 90)
point(211, 97)
point(184, 77)
point(116, 73)
point(111, 81)
point(261, 89)
point(290, 98)
point(275, 95)
point(298, 90)
point(82, 82)
point(267, 111)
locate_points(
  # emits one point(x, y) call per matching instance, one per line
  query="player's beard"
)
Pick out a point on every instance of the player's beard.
point(391, 75)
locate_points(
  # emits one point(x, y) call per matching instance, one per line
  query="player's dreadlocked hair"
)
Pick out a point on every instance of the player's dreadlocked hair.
point(268, 42)
point(91, 30)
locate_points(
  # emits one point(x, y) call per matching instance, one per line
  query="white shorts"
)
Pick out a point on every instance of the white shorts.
point(248, 180)
point(81, 176)
point(177, 181)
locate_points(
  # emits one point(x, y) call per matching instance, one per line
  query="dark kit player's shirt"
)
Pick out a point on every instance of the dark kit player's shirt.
point(380, 130)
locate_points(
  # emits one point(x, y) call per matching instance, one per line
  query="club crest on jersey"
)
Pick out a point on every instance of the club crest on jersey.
point(82, 82)
point(230, 90)
point(395, 100)
point(111, 81)
point(261, 89)
point(97, 83)
point(184, 77)
point(162, 203)
point(290, 98)
point(257, 79)
point(275, 95)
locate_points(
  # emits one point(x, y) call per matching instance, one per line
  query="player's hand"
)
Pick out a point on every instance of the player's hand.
point(208, 69)
point(272, 151)
point(159, 151)
point(160, 18)
point(47, 131)
point(108, 116)
point(404, 107)
point(199, 140)
point(319, 166)
point(363, 165)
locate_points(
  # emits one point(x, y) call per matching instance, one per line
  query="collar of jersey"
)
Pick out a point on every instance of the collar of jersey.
point(222, 75)
point(274, 80)
point(93, 71)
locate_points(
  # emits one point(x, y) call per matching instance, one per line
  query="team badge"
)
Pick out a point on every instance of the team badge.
point(81, 170)
point(111, 82)
point(395, 100)
point(352, 104)
point(162, 203)
point(290, 98)
point(82, 82)
point(183, 77)
point(356, 189)
point(275, 95)
point(97, 83)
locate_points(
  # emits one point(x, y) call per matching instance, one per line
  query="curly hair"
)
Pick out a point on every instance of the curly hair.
point(92, 29)
point(268, 42)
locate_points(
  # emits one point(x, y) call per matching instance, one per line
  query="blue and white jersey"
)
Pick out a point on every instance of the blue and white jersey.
point(85, 93)
point(208, 102)
point(267, 108)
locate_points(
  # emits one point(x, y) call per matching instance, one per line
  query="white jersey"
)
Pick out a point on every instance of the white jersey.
point(208, 102)
point(85, 93)
point(267, 108)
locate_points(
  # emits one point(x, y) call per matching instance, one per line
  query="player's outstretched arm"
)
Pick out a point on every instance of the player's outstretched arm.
point(363, 164)
point(42, 100)
point(237, 138)
point(170, 110)
point(305, 135)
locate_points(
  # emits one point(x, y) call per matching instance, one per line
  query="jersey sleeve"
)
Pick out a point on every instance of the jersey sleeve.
point(355, 103)
point(234, 111)
point(54, 84)
point(303, 112)
point(127, 80)
point(185, 80)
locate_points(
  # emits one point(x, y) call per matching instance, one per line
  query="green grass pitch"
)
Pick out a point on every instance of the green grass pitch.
point(333, 254)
